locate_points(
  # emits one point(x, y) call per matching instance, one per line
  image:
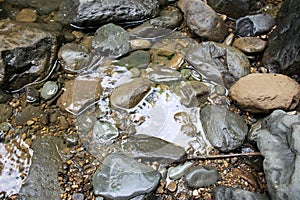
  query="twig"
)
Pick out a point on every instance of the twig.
point(224, 156)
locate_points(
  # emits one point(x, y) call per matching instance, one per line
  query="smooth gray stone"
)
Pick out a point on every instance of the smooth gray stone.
point(122, 177)
point(138, 59)
point(201, 176)
point(227, 193)
point(175, 173)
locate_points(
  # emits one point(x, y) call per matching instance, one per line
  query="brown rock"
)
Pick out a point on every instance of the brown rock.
point(250, 44)
point(261, 93)
point(26, 15)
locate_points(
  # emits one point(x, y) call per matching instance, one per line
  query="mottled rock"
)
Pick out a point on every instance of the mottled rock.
point(94, 13)
point(26, 15)
point(49, 90)
point(138, 59)
point(250, 44)
point(227, 193)
point(175, 173)
point(282, 54)
point(218, 63)
point(261, 93)
point(130, 94)
point(121, 177)
point(201, 176)
point(42, 7)
point(42, 180)
point(171, 19)
point(26, 54)
point(203, 20)
point(79, 93)
point(278, 141)
point(152, 149)
point(27, 114)
point(225, 130)
point(253, 25)
point(193, 93)
point(73, 57)
point(5, 112)
point(164, 75)
point(236, 8)
point(111, 40)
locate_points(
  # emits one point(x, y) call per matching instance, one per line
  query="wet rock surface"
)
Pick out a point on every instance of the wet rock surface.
point(27, 54)
point(226, 193)
point(122, 177)
point(282, 54)
point(225, 130)
point(278, 141)
point(250, 44)
point(257, 93)
point(201, 176)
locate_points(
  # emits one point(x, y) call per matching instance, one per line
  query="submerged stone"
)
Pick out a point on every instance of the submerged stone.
point(175, 173)
point(227, 193)
point(164, 75)
point(49, 90)
point(201, 176)
point(138, 59)
point(122, 177)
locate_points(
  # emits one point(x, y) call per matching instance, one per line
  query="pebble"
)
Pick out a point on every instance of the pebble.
point(49, 90)
point(172, 186)
point(26, 15)
point(6, 112)
point(201, 176)
point(139, 44)
point(250, 44)
point(177, 172)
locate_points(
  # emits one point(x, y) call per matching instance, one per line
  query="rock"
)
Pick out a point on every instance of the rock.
point(104, 133)
point(130, 94)
point(227, 193)
point(175, 173)
point(27, 114)
point(152, 149)
point(49, 90)
point(203, 20)
point(138, 59)
point(73, 57)
point(26, 54)
point(92, 14)
point(6, 112)
point(236, 8)
point(111, 40)
point(42, 180)
point(121, 177)
point(164, 75)
point(193, 93)
point(5, 126)
point(26, 15)
point(225, 130)
point(282, 53)
point(42, 7)
point(250, 44)
point(218, 63)
point(255, 93)
point(171, 19)
point(278, 141)
point(80, 93)
point(32, 94)
point(201, 176)
point(137, 44)
point(4, 97)
point(253, 25)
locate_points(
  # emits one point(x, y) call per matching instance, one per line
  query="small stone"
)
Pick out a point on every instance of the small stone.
point(5, 126)
point(250, 44)
point(165, 75)
point(26, 15)
point(138, 59)
point(172, 186)
point(78, 196)
point(201, 176)
point(176, 62)
point(30, 122)
point(6, 112)
point(49, 90)
point(177, 172)
point(139, 44)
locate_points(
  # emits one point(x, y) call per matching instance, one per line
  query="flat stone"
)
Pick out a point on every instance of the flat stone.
point(121, 177)
point(250, 44)
point(26, 15)
point(203, 20)
point(227, 193)
point(201, 176)
point(171, 18)
point(152, 149)
point(5, 112)
point(225, 130)
point(130, 94)
point(27, 114)
point(255, 93)
point(164, 75)
point(175, 173)
point(138, 59)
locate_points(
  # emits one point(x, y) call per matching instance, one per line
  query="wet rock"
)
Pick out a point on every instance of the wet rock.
point(104, 133)
point(49, 90)
point(282, 53)
point(111, 40)
point(227, 193)
point(175, 173)
point(171, 19)
point(236, 8)
point(73, 57)
point(203, 20)
point(42, 180)
point(256, 92)
point(130, 94)
point(121, 177)
point(42, 7)
point(5, 112)
point(253, 25)
point(26, 54)
point(152, 149)
point(138, 59)
point(5, 126)
point(4, 97)
point(164, 75)
point(32, 94)
point(250, 44)
point(80, 93)
point(225, 130)
point(26, 15)
point(218, 63)
point(201, 176)
point(137, 44)
point(27, 114)
point(278, 141)
point(193, 93)
point(92, 14)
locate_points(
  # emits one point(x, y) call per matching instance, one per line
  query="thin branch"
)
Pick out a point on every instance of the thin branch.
point(224, 156)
